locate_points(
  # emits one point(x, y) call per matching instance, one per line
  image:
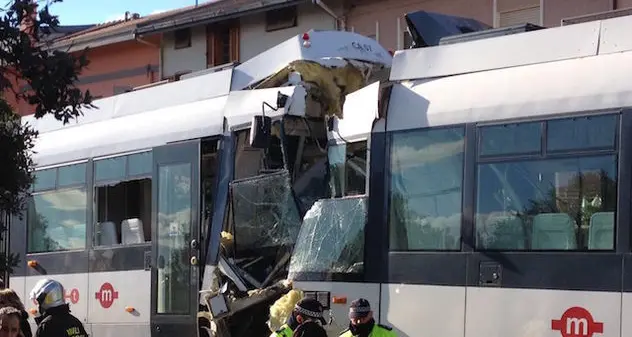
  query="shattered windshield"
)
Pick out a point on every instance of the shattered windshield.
point(265, 213)
point(331, 238)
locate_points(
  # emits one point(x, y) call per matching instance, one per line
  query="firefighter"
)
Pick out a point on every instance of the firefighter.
point(362, 323)
point(305, 310)
point(55, 319)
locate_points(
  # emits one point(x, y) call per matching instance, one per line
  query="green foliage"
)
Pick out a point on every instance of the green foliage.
point(50, 77)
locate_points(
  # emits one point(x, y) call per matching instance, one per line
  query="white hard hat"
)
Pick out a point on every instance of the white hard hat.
point(48, 294)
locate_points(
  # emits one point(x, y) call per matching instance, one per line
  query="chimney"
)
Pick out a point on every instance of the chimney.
point(127, 15)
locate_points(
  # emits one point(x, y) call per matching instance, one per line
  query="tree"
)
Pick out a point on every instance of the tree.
point(51, 76)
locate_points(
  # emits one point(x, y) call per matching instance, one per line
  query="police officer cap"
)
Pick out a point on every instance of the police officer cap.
point(359, 308)
point(311, 308)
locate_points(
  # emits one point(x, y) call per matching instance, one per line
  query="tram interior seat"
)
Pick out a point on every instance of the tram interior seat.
point(501, 230)
point(554, 231)
point(601, 231)
point(106, 234)
point(132, 231)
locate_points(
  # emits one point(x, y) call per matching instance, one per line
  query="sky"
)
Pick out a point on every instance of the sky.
point(76, 12)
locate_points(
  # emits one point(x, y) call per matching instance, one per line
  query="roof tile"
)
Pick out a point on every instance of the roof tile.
point(106, 28)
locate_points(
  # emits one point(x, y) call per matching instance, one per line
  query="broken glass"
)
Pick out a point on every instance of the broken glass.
point(337, 156)
point(265, 212)
point(332, 237)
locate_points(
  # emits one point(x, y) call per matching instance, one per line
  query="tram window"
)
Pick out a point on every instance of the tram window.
point(56, 220)
point(71, 175)
point(45, 179)
point(557, 204)
point(123, 213)
point(592, 132)
point(515, 139)
point(110, 169)
point(426, 189)
point(563, 203)
point(347, 169)
point(123, 200)
point(139, 163)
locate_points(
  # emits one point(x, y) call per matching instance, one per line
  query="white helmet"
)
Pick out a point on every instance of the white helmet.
point(48, 294)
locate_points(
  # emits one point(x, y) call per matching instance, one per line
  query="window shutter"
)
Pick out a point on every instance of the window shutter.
point(520, 16)
point(234, 43)
point(210, 50)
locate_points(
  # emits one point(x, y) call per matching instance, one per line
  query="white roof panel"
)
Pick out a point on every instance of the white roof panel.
point(546, 45)
point(583, 84)
point(242, 105)
point(132, 132)
point(359, 113)
point(539, 46)
point(170, 94)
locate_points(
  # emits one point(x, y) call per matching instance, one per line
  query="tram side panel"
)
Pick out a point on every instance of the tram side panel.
point(540, 312)
point(420, 221)
point(626, 301)
point(75, 286)
point(119, 303)
point(418, 310)
point(547, 251)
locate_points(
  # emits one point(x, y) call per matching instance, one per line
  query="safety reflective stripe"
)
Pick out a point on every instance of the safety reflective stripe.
point(377, 331)
point(285, 331)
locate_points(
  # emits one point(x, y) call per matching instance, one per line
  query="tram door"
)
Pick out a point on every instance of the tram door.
point(175, 221)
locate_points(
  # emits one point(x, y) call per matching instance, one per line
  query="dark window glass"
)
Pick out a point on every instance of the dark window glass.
point(582, 133)
point(553, 204)
point(45, 179)
point(426, 172)
point(521, 138)
point(57, 221)
point(109, 169)
point(72, 175)
point(140, 163)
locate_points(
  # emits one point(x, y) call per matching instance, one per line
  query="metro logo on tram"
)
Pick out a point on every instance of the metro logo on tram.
point(577, 322)
point(106, 295)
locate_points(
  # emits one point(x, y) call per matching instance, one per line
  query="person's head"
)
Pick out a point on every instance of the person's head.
point(309, 329)
point(360, 312)
point(308, 309)
point(8, 298)
point(10, 322)
point(48, 294)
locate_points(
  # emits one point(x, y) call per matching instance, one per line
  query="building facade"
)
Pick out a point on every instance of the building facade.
point(384, 19)
point(219, 33)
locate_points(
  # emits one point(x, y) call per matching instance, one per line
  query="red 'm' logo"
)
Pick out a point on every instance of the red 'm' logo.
point(106, 295)
point(577, 322)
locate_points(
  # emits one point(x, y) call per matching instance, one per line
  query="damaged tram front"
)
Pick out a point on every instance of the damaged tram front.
point(174, 210)
point(286, 158)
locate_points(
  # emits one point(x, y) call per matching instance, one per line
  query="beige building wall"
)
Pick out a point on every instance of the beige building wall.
point(384, 19)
